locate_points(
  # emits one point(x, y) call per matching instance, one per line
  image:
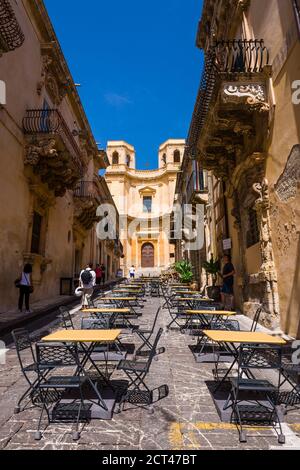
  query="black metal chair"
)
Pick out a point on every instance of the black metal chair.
point(256, 319)
point(154, 289)
point(176, 312)
point(66, 318)
point(145, 335)
point(255, 400)
point(138, 393)
point(53, 394)
point(100, 323)
point(24, 342)
point(290, 370)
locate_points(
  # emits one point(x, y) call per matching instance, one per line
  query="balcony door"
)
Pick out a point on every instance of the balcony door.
point(148, 255)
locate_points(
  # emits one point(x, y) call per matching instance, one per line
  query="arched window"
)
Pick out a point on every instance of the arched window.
point(115, 158)
point(128, 159)
point(164, 159)
point(177, 156)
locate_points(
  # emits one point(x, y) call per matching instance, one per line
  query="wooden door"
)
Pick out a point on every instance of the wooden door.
point(148, 255)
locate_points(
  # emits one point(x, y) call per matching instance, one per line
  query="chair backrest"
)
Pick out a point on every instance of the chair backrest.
point(154, 347)
point(65, 318)
point(252, 356)
point(23, 341)
point(101, 323)
point(256, 319)
point(56, 355)
point(155, 319)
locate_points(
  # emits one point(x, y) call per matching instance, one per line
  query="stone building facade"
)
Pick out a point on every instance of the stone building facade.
point(144, 199)
point(245, 132)
point(49, 161)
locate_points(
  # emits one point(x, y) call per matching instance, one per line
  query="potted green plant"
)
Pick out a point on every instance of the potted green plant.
point(185, 271)
point(212, 267)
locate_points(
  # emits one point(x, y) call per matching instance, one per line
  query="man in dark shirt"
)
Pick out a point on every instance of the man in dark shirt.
point(228, 281)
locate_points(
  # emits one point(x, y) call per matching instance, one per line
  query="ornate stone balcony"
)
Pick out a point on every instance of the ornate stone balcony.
point(11, 35)
point(87, 199)
point(232, 111)
point(51, 150)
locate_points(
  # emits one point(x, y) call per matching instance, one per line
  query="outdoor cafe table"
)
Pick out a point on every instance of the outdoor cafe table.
point(190, 301)
point(113, 313)
point(232, 339)
point(207, 317)
point(122, 302)
point(127, 291)
point(88, 340)
point(188, 292)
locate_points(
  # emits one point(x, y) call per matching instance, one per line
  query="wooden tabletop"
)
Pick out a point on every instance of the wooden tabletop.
point(188, 292)
point(222, 336)
point(200, 299)
point(211, 312)
point(106, 310)
point(124, 291)
point(84, 336)
point(125, 299)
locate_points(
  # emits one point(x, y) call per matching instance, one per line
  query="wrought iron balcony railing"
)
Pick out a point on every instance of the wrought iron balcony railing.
point(11, 35)
point(87, 190)
point(227, 60)
point(50, 122)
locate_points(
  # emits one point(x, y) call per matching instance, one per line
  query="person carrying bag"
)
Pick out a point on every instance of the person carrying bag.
point(24, 284)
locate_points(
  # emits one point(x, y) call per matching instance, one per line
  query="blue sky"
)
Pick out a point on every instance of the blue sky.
point(138, 66)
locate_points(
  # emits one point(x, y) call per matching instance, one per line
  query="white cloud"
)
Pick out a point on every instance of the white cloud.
point(116, 100)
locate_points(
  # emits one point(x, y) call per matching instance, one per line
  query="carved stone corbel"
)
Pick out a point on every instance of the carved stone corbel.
point(41, 149)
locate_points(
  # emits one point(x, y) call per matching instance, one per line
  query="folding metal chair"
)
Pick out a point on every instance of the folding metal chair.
point(145, 336)
point(23, 342)
point(138, 393)
point(50, 392)
point(176, 312)
point(66, 318)
point(255, 400)
point(290, 370)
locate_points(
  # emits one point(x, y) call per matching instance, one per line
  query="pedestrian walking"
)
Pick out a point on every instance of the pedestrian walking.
point(103, 277)
point(87, 280)
point(132, 272)
point(98, 272)
point(24, 284)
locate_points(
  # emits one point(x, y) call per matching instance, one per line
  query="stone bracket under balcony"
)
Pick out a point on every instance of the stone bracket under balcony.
point(234, 107)
point(87, 198)
point(236, 126)
point(51, 150)
point(253, 95)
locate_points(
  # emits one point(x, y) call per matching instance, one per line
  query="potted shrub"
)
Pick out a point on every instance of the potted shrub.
point(212, 267)
point(185, 271)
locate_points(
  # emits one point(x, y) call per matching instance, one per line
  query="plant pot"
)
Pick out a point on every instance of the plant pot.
point(214, 292)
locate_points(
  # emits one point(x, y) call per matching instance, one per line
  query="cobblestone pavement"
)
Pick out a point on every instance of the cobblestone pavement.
point(185, 420)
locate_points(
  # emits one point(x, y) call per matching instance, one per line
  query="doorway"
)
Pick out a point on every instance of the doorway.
point(148, 255)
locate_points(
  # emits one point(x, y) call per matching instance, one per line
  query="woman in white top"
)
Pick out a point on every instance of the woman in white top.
point(25, 287)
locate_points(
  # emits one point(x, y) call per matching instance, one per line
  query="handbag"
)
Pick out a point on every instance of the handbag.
point(18, 283)
point(31, 289)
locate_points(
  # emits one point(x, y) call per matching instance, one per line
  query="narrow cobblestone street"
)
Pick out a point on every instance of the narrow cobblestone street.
point(186, 420)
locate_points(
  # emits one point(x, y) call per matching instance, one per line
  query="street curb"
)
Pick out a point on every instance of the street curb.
point(42, 313)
